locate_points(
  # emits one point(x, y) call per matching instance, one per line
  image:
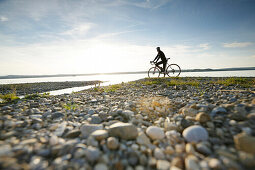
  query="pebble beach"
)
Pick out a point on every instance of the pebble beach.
point(163, 124)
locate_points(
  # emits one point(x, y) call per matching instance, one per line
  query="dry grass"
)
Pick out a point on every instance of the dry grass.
point(155, 107)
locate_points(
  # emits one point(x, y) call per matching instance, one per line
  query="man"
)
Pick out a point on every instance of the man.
point(163, 61)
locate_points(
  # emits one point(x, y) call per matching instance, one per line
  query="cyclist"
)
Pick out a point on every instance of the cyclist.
point(163, 61)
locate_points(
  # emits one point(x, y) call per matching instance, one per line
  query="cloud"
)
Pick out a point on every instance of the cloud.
point(204, 46)
point(236, 44)
point(153, 4)
point(79, 30)
point(3, 18)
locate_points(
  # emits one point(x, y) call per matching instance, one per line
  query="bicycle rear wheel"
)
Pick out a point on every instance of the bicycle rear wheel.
point(153, 72)
point(173, 70)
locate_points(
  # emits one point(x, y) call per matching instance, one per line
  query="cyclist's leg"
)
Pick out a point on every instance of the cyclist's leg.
point(157, 64)
point(164, 65)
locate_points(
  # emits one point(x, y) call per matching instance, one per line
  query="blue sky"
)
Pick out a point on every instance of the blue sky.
point(88, 36)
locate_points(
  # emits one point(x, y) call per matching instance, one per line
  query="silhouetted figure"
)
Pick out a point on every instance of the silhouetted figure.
point(163, 61)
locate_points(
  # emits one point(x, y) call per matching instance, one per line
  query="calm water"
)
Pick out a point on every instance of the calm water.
point(115, 79)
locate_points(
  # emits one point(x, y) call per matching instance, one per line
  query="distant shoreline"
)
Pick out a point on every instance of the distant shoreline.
point(114, 73)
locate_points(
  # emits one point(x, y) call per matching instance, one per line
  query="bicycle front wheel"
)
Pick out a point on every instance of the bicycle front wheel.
point(173, 70)
point(153, 72)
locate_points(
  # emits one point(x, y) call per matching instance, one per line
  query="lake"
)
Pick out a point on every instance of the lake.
point(118, 78)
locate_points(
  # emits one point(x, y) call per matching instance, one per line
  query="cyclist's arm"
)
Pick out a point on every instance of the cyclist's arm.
point(156, 58)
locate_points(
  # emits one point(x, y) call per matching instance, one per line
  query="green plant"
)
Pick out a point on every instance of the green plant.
point(36, 95)
point(112, 88)
point(244, 82)
point(70, 106)
point(10, 97)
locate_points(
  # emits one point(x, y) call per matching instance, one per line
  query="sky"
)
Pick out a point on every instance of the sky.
point(98, 36)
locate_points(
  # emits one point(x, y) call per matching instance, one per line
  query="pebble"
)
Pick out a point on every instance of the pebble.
point(92, 153)
point(87, 129)
point(218, 110)
point(99, 134)
point(125, 131)
point(155, 132)
point(73, 134)
point(57, 115)
point(142, 139)
point(215, 163)
point(40, 133)
point(191, 163)
point(195, 133)
point(159, 154)
point(112, 143)
point(245, 143)
point(100, 166)
point(202, 117)
point(163, 165)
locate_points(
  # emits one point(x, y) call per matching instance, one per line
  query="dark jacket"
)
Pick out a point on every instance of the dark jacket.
point(161, 56)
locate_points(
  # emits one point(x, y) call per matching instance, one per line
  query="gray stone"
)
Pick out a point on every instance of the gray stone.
point(95, 119)
point(202, 148)
point(61, 129)
point(112, 143)
point(73, 133)
point(99, 134)
point(218, 110)
point(57, 115)
point(195, 133)
point(142, 139)
point(163, 165)
point(87, 129)
point(245, 143)
point(92, 154)
point(155, 132)
point(159, 154)
point(123, 130)
point(101, 166)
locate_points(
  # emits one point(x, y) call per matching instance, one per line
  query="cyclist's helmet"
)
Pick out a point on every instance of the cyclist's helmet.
point(158, 48)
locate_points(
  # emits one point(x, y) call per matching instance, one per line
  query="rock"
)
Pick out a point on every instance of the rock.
point(202, 148)
point(215, 164)
point(189, 111)
point(191, 163)
point(251, 116)
point(202, 117)
point(61, 129)
point(29, 141)
point(112, 143)
point(155, 132)
point(38, 163)
point(163, 165)
point(189, 148)
point(125, 131)
point(92, 153)
point(142, 139)
point(5, 150)
point(247, 159)
point(73, 134)
point(87, 129)
point(101, 166)
point(245, 143)
point(170, 126)
point(95, 119)
point(177, 162)
point(218, 110)
point(195, 133)
point(133, 158)
point(99, 134)
point(57, 115)
point(159, 154)
point(186, 123)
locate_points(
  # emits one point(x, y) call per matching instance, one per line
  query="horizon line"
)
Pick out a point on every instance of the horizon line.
point(127, 72)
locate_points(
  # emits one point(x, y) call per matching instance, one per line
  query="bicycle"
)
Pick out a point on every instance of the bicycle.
point(172, 70)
